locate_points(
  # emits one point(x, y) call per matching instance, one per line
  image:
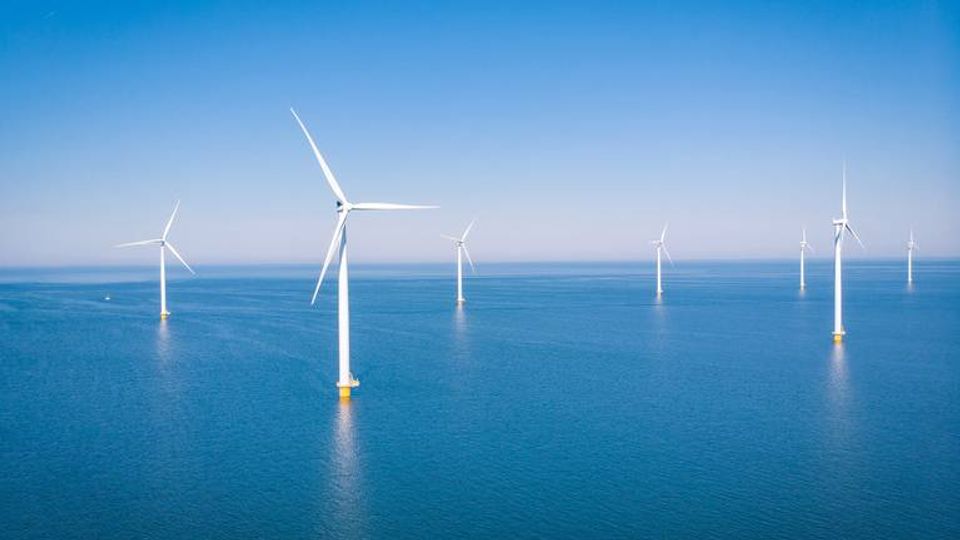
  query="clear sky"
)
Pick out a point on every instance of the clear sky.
point(573, 130)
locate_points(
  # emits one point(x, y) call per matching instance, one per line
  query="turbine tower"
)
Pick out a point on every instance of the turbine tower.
point(804, 247)
point(911, 245)
point(661, 247)
point(839, 227)
point(461, 251)
point(346, 380)
point(164, 245)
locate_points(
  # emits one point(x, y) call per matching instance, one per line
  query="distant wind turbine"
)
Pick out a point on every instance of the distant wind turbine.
point(804, 247)
point(911, 246)
point(164, 245)
point(661, 247)
point(461, 251)
point(839, 227)
point(346, 380)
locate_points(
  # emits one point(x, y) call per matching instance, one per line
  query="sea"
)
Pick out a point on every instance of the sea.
point(563, 400)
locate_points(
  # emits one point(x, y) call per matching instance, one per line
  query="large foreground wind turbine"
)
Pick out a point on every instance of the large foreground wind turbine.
point(164, 245)
point(461, 251)
point(346, 381)
point(804, 247)
point(911, 245)
point(839, 227)
point(661, 247)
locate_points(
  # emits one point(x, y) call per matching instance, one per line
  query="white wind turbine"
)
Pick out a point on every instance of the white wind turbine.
point(346, 381)
point(461, 251)
point(164, 245)
point(839, 226)
point(661, 247)
point(804, 247)
point(911, 246)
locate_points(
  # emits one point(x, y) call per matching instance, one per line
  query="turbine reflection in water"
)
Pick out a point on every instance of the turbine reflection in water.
point(840, 422)
point(838, 375)
point(345, 480)
point(460, 330)
point(659, 315)
point(163, 341)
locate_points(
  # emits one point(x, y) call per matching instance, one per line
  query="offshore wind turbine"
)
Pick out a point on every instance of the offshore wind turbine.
point(346, 381)
point(164, 245)
point(840, 226)
point(661, 247)
point(461, 251)
point(911, 245)
point(804, 247)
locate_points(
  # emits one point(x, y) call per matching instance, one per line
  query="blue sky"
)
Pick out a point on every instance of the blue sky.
point(574, 131)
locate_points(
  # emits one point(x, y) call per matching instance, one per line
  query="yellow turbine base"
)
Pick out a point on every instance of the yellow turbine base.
point(163, 316)
point(838, 338)
point(344, 392)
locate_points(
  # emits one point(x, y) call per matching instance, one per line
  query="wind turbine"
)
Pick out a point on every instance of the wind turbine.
point(911, 245)
point(346, 380)
point(461, 251)
point(661, 246)
point(839, 226)
point(804, 247)
point(164, 245)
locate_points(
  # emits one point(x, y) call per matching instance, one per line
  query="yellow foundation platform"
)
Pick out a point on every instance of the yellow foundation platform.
point(838, 338)
point(344, 389)
point(163, 316)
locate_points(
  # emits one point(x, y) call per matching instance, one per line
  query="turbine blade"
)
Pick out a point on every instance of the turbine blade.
point(663, 234)
point(809, 248)
point(177, 255)
point(804, 234)
point(166, 230)
point(389, 206)
point(466, 232)
point(450, 238)
point(843, 203)
point(140, 243)
point(667, 253)
point(334, 243)
point(327, 173)
point(855, 235)
point(469, 260)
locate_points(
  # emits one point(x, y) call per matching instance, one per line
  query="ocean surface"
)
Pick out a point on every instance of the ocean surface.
point(563, 401)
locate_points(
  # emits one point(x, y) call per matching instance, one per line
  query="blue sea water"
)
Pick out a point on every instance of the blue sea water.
point(562, 401)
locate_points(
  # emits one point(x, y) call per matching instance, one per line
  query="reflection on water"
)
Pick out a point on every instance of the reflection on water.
point(839, 398)
point(346, 495)
point(460, 320)
point(163, 342)
point(838, 373)
point(461, 345)
point(166, 364)
point(659, 315)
